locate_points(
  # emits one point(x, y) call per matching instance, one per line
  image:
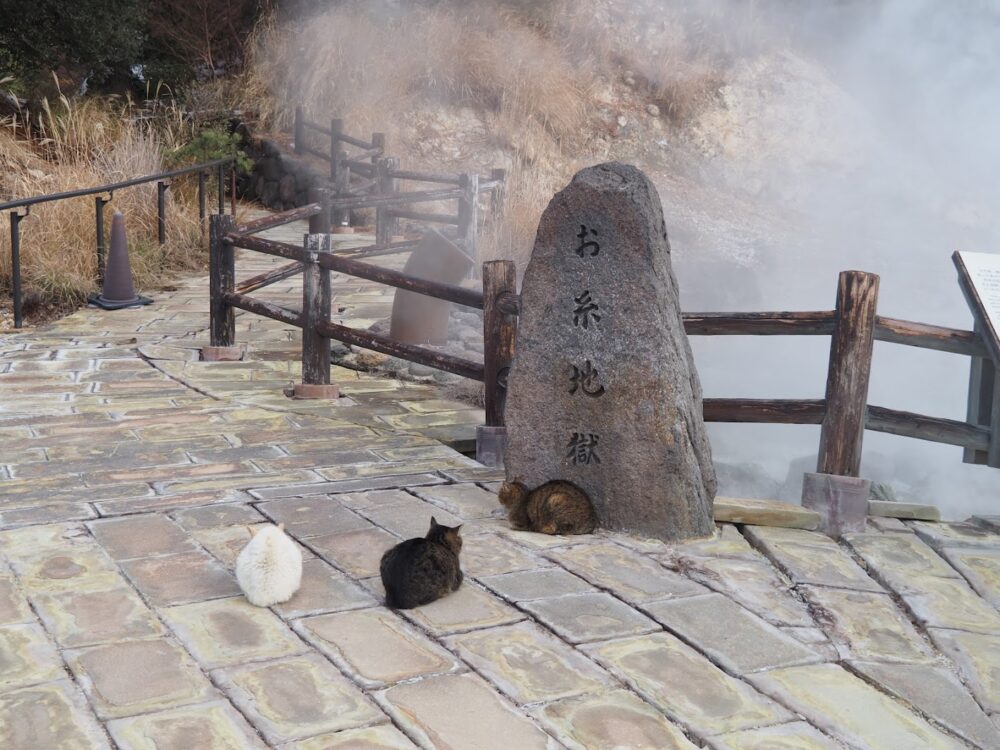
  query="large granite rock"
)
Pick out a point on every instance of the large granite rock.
point(603, 389)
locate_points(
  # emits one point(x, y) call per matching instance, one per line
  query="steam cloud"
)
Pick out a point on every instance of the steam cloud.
point(915, 179)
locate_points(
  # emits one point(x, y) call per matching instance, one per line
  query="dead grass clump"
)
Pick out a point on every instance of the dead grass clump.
point(372, 68)
point(85, 144)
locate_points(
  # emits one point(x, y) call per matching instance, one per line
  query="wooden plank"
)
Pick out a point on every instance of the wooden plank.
point(266, 309)
point(359, 167)
point(277, 220)
point(933, 429)
point(221, 280)
point(317, 127)
point(982, 378)
point(810, 323)
point(446, 179)
point(396, 199)
point(351, 140)
point(262, 280)
point(423, 216)
point(450, 292)
point(499, 333)
point(315, 311)
point(848, 375)
point(928, 336)
point(386, 225)
point(765, 411)
point(268, 247)
point(468, 214)
point(319, 222)
point(410, 352)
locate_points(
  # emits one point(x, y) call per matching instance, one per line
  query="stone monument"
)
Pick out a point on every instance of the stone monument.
point(603, 391)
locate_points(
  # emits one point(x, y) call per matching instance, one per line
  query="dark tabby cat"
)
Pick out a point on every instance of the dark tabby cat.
point(420, 570)
point(556, 507)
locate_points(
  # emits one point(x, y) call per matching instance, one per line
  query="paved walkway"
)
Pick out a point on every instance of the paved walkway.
point(129, 473)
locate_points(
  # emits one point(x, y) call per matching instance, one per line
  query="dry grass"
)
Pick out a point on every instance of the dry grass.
point(530, 70)
point(371, 68)
point(85, 144)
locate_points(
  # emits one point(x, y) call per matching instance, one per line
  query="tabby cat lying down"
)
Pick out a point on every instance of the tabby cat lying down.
point(557, 507)
point(421, 570)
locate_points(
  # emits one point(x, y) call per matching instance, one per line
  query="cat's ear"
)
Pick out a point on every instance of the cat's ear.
point(281, 526)
point(252, 530)
point(434, 523)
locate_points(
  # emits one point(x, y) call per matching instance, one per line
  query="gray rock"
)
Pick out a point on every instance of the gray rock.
point(603, 389)
point(286, 189)
point(882, 492)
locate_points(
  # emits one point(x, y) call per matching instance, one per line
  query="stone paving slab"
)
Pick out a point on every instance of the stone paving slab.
point(213, 725)
point(612, 719)
point(847, 707)
point(551, 641)
point(582, 618)
point(865, 625)
point(797, 735)
point(735, 638)
point(426, 710)
point(528, 664)
point(686, 686)
point(937, 693)
point(376, 647)
point(297, 697)
point(133, 677)
point(52, 716)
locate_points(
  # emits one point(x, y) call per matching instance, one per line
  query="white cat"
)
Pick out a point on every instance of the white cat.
point(269, 568)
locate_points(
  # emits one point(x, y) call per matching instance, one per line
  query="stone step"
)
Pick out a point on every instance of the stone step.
point(764, 513)
point(913, 511)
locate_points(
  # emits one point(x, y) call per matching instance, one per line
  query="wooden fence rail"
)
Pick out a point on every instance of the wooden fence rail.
point(853, 327)
point(368, 178)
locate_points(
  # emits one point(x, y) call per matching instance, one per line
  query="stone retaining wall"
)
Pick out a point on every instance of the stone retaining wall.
point(279, 180)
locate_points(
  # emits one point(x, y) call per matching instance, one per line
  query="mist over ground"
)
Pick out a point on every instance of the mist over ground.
point(901, 172)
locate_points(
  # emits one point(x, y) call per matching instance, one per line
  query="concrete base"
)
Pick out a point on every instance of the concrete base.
point(490, 443)
point(316, 390)
point(222, 353)
point(842, 502)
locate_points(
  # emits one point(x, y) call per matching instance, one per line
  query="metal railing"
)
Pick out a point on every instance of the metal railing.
point(100, 201)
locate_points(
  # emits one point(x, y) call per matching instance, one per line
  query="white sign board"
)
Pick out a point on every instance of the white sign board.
point(983, 273)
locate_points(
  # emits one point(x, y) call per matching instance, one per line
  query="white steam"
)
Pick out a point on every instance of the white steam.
point(898, 172)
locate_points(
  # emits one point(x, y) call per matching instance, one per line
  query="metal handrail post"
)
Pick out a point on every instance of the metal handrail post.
point(161, 210)
point(15, 264)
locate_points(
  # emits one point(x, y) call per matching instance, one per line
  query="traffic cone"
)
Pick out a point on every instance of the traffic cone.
point(118, 291)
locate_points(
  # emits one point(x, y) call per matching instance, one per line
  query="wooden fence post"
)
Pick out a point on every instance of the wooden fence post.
point(315, 309)
point(300, 131)
point(222, 281)
point(320, 223)
point(342, 182)
point(468, 215)
point(336, 129)
point(378, 141)
point(499, 331)
point(847, 379)
point(385, 222)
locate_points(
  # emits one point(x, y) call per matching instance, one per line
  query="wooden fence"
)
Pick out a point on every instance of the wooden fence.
point(367, 178)
point(853, 325)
